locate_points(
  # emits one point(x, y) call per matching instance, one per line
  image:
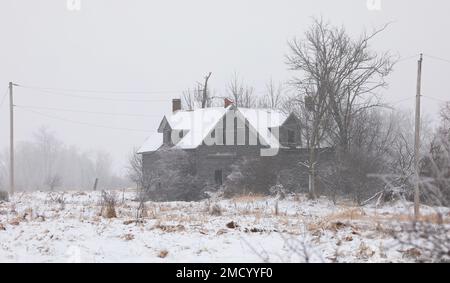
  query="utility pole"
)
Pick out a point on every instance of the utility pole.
point(417, 139)
point(11, 139)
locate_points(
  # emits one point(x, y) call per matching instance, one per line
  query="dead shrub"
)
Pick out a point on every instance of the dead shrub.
point(4, 196)
point(170, 228)
point(412, 253)
point(108, 203)
point(128, 237)
point(364, 251)
point(163, 253)
point(57, 198)
point(232, 225)
point(15, 221)
point(215, 210)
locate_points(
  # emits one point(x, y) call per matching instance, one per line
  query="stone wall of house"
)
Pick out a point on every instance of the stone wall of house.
point(287, 163)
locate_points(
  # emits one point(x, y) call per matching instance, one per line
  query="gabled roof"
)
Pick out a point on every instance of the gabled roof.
point(197, 124)
point(152, 143)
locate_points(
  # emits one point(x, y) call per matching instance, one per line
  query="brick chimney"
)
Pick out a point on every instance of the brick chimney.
point(227, 102)
point(176, 105)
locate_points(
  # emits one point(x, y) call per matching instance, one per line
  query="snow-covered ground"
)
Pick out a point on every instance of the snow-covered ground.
point(69, 227)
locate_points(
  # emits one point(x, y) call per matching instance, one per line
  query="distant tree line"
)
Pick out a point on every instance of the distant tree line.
point(46, 163)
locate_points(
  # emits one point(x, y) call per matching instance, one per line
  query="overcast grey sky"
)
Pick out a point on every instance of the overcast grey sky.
point(166, 46)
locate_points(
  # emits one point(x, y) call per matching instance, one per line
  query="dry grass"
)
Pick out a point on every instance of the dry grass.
point(250, 198)
point(170, 228)
point(434, 218)
point(358, 214)
point(347, 214)
point(128, 237)
point(215, 210)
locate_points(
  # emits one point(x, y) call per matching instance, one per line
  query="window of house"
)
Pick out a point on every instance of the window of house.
point(218, 177)
point(291, 136)
point(213, 134)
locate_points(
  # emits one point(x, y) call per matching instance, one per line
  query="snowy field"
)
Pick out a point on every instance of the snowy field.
point(69, 227)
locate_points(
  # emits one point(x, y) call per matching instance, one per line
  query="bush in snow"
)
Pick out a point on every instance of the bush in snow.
point(108, 203)
point(4, 196)
point(250, 175)
point(169, 178)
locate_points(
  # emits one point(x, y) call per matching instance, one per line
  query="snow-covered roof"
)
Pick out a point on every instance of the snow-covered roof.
point(264, 119)
point(197, 124)
point(152, 143)
point(201, 123)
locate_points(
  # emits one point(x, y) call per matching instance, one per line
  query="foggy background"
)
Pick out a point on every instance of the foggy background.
point(164, 47)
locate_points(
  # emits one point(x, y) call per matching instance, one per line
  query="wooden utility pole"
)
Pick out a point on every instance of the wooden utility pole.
point(11, 139)
point(205, 91)
point(417, 140)
point(95, 184)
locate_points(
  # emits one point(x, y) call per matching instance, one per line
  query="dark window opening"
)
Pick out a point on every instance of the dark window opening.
point(213, 134)
point(291, 136)
point(218, 177)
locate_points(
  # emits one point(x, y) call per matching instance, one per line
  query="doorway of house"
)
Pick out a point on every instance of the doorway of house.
point(218, 177)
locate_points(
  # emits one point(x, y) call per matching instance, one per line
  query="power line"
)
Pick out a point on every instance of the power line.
point(437, 58)
point(99, 91)
point(435, 98)
point(83, 123)
point(86, 111)
point(4, 97)
point(400, 101)
point(46, 92)
point(407, 58)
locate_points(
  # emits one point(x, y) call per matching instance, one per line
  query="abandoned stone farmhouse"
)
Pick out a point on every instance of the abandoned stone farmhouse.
point(218, 137)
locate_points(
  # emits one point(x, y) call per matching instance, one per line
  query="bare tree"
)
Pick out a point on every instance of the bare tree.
point(241, 94)
point(103, 164)
point(192, 98)
point(49, 147)
point(53, 182)
point(349, 72)
point(273, 97)
point(338, 80)
point(445, 115)
point(435, 166)
point(199, 96)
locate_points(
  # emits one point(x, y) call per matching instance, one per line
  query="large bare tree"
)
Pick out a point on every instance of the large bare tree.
point(338, 78)
point(343, 70)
